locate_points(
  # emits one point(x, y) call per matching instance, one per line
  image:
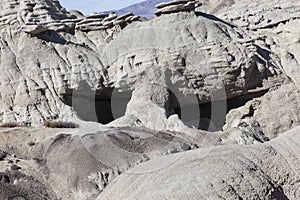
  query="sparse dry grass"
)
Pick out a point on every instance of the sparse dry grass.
point(11, 125)
point(59, 124)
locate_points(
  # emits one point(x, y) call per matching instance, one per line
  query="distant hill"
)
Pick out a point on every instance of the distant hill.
point(145, 8)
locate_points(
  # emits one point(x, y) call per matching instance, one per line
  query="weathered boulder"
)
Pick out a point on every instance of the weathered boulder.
point(247, 131)
point(34, 29)
point(175, 6)
point(276, 112)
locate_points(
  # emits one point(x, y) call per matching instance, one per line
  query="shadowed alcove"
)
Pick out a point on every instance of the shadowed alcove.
point(101, 106)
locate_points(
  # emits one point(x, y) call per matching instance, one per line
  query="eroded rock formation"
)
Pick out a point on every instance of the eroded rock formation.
point(47, 68)
point(154, 83)
point(175, 6)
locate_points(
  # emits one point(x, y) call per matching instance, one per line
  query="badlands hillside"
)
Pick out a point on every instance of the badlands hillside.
point(200, 102)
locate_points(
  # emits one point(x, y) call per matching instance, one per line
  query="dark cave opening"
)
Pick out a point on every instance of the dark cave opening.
point(208, 116)
point(111, 104)
point(108, 104)
point(102, 106)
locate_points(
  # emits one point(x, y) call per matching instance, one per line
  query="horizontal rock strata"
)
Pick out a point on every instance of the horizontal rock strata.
point(175, 6)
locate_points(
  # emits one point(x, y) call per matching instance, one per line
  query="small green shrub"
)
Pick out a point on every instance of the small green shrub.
point(59, 124)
